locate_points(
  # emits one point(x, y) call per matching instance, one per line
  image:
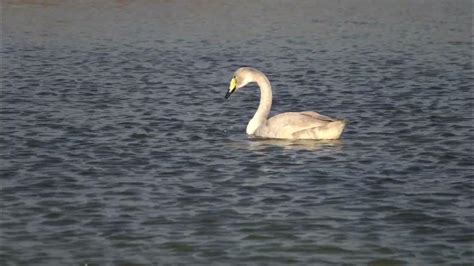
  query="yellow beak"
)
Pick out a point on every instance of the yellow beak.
point(232, 87)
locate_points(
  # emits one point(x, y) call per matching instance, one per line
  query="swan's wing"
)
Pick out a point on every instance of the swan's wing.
point(298, 120)
point(285, 124)
point(301, 125)
point(331, 130)
point(318, 116)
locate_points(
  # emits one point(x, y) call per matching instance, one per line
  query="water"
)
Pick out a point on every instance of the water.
point(118, 147)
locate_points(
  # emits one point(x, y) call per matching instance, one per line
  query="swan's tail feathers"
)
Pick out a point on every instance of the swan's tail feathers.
point(331, 130)
point(343, 121)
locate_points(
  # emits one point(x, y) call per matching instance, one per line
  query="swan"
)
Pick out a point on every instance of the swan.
point(291, 125)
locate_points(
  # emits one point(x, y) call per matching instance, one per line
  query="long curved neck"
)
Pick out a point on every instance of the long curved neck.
point(265, 97)
point(260, 117)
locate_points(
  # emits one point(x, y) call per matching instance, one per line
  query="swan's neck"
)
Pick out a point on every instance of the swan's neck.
point(260, 117)
point(265, 98)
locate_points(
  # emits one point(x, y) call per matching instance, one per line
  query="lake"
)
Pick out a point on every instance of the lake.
point(118, 147)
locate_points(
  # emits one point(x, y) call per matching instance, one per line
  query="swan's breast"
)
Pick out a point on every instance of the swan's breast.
point(252, 126)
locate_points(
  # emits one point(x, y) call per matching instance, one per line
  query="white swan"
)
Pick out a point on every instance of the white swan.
point(292, 125)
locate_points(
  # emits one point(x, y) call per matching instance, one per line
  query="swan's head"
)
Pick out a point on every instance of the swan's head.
point(242, 77)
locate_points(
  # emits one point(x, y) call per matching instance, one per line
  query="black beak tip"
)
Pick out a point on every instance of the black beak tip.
point(227, 95)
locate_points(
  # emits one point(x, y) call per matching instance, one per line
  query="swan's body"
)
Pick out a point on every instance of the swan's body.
point(291, 125)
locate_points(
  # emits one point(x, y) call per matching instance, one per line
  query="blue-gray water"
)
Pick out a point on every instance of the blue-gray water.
point(117, 146)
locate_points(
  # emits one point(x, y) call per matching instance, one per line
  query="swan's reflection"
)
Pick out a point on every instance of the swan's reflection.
point(309, 145)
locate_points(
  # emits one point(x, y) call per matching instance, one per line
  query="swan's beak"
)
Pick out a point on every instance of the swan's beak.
point(227, 95)
point(232, 87)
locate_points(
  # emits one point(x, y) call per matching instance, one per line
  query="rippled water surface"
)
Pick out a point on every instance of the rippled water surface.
point(117, 146)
